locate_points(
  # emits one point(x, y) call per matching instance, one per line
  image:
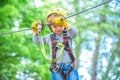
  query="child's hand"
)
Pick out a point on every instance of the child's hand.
point(60, 22)
point(35, 26)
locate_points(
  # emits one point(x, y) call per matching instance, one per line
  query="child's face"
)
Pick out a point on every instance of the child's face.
point(57, 29)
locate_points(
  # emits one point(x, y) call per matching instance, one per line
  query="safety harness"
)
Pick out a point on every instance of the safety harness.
point(54, 66)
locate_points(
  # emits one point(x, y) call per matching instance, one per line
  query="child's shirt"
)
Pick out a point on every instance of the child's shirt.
point(72, 33)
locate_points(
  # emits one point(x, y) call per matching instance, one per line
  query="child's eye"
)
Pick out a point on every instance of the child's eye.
point(55, 26)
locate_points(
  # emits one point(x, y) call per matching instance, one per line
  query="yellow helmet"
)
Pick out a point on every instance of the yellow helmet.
point(58, 11)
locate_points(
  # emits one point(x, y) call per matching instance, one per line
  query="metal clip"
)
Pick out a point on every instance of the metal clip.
point(56, 69)
point(59, 45)
point(40, 26)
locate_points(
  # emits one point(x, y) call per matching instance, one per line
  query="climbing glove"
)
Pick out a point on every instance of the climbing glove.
point(35, 26)
point(60, 22)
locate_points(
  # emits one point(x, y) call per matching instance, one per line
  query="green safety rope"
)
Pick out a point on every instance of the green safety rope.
point(59, 45)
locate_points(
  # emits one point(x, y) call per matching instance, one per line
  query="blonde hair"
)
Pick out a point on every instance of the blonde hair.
point(54, 13)
point(52, 17)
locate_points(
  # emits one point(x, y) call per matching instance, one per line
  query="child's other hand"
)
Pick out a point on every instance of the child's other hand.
point(35, 26)
point(60, 22)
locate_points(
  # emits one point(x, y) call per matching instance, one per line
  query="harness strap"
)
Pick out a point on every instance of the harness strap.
point(65, 75)
point(67, 47)
point(54, 67)
point(54, 49)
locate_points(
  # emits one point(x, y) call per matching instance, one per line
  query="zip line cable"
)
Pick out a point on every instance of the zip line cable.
point(64, 18)
point(88, 9)
point(14, 31)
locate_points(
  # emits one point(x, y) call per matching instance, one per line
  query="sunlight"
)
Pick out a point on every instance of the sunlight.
point(104, 63)
point(114, 6)
point(16, 27)
point(83, 72)
point(38, 3)
point(25, 61)
point(85, 63)
point(54, 1)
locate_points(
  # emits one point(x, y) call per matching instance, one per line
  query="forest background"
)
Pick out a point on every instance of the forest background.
point(97, 46)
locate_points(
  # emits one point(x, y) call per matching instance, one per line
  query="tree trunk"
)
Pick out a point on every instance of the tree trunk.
point(112, 59)
point(95, 56)
point(77, 49)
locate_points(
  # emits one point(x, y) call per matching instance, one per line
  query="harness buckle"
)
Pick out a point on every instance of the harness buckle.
point(56, 69)
point(59, 45)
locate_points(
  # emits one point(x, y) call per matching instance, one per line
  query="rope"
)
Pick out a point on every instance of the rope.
point(64, 18)
point(88, 9)
point(14, 31)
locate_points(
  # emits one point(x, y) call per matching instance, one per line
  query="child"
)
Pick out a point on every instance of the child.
point(63, 68)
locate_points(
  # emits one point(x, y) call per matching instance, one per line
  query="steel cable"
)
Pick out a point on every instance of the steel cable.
point(64, 18)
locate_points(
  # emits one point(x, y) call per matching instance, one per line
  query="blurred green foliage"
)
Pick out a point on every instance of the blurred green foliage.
point(21, 59)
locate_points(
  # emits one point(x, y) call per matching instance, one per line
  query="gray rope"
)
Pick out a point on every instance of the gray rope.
point(64, 18)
